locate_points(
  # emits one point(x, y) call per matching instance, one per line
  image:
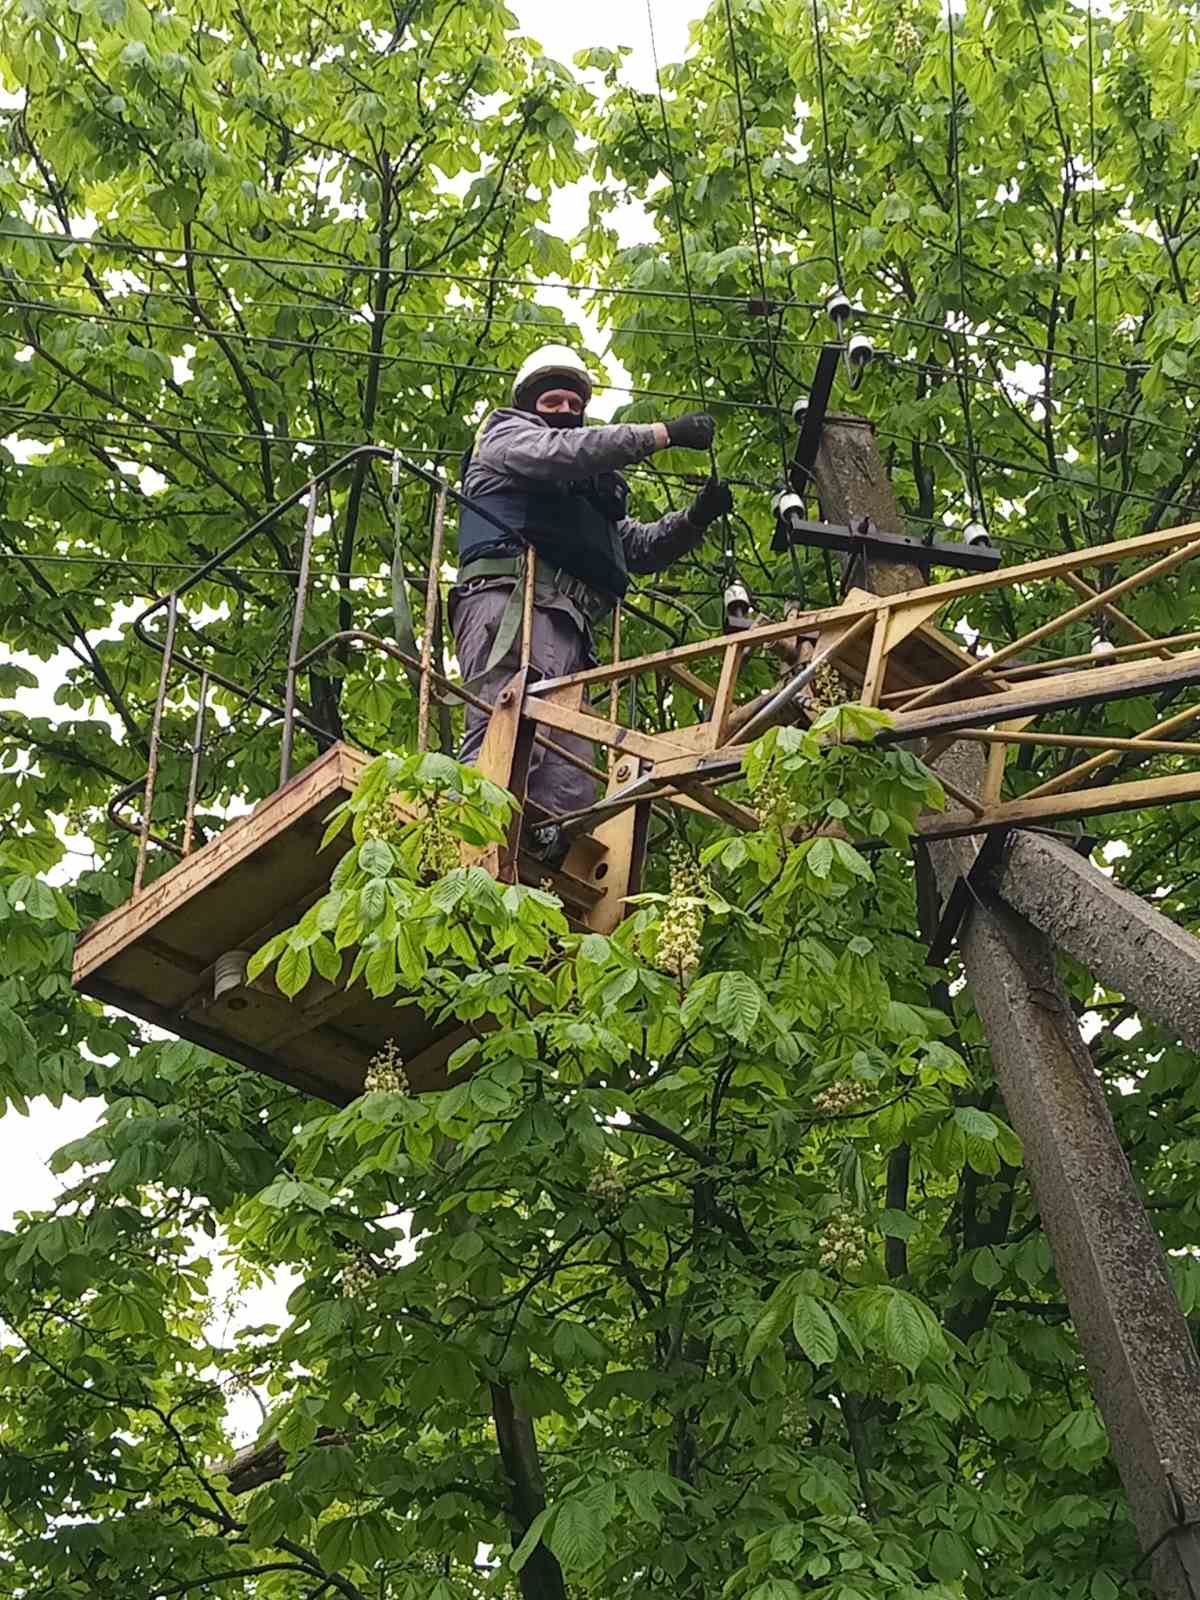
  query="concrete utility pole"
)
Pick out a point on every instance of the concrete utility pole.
point(1119, 937)
point(852, 483)
point(1141, 1361)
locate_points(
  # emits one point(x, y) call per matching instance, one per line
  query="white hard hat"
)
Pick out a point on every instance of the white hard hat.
point(547, 362)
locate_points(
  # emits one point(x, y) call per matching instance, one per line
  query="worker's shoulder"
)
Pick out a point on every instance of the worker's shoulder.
point(505, 417)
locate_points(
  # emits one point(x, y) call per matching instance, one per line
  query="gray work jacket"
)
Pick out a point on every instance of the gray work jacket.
point(514, 449)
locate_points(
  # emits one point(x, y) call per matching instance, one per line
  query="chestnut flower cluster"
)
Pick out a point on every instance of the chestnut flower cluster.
point(844, 1245)
point(682, 926)
point(606, 1187)
point(828, 688)
point(843, 1096)
point(906, 41)
point(357, 1278)
point(439, 846)
point(385, 1072)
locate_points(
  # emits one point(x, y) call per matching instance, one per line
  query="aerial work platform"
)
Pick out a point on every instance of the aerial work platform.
point(175, 953)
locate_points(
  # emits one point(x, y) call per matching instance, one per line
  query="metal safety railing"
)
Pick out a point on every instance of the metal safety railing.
point(420, 668)
point(994, 698)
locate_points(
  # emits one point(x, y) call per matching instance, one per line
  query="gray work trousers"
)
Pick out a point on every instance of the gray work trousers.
point(561, 645)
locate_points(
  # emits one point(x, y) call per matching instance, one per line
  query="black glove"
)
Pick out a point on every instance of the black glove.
point(696, 431)
point(714, 500)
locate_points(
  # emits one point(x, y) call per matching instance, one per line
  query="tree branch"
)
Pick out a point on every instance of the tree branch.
point(541, 1577)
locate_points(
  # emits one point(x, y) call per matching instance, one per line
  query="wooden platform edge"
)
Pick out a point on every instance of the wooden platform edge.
point(337, 771)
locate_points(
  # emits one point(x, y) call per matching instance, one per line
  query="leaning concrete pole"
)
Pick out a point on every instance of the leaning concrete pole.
point(1119, 937)
point(1142, 1364)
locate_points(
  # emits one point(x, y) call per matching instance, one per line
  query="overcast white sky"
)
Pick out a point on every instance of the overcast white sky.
point(564, 28)
point(26, 1143)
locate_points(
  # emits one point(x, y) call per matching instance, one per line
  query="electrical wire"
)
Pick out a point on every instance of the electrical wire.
point(820, 53)
point(461, 316)
point(744, 137)
point(885, 357)
point(891, 318)
point(1011, 341)
point(91, 425)
point(159, 427)
point(190, 333)
point(462, 368)
point(1029, 469)
point(81, 314)
point(1095, 267)
point(1010, 386)
point(895, 319)
point(974, 484)
point(701, 398)
point(352, 269)
point(675, 202)
point(421, 451)
point(279, 342)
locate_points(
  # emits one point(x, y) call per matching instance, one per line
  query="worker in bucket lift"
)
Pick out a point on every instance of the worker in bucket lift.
point(554, 482)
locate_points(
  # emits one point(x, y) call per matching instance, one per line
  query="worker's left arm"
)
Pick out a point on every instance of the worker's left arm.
point(651, 546)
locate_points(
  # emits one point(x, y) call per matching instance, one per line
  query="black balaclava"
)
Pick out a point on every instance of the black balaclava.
point(534, 391)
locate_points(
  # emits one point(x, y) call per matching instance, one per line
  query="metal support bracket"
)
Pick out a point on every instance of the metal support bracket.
point(800, 473)
point(866, 539)
point(973, 887)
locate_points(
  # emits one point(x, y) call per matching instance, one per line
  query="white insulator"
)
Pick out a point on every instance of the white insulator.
point(976, 533)
point(860, 350)
point(1102, 646)
point(838, 307)
point(787, 503)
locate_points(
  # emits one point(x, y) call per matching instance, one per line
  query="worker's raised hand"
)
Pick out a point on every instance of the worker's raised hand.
point(714, 500)
point(696, 431)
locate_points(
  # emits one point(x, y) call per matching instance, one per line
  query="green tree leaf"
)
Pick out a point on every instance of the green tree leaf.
point(739, 1002)
point(576, 1535)
point(814, 1330)
point(293, 969)
point(533, 1537)
point(905, 1332)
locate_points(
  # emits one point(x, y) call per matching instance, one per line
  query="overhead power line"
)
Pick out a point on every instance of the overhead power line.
point(678, 213)
point(191, 333)
point(744, 138)
point(974, 484)
point(1095, 268)
point(485, 280)
point(92, 425)
point(819, 47)
point(1007, 342)
point(461, 316)
point(893, 318)
point(382, 357)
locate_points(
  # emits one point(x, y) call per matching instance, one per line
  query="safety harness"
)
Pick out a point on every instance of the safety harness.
point(574, 530)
